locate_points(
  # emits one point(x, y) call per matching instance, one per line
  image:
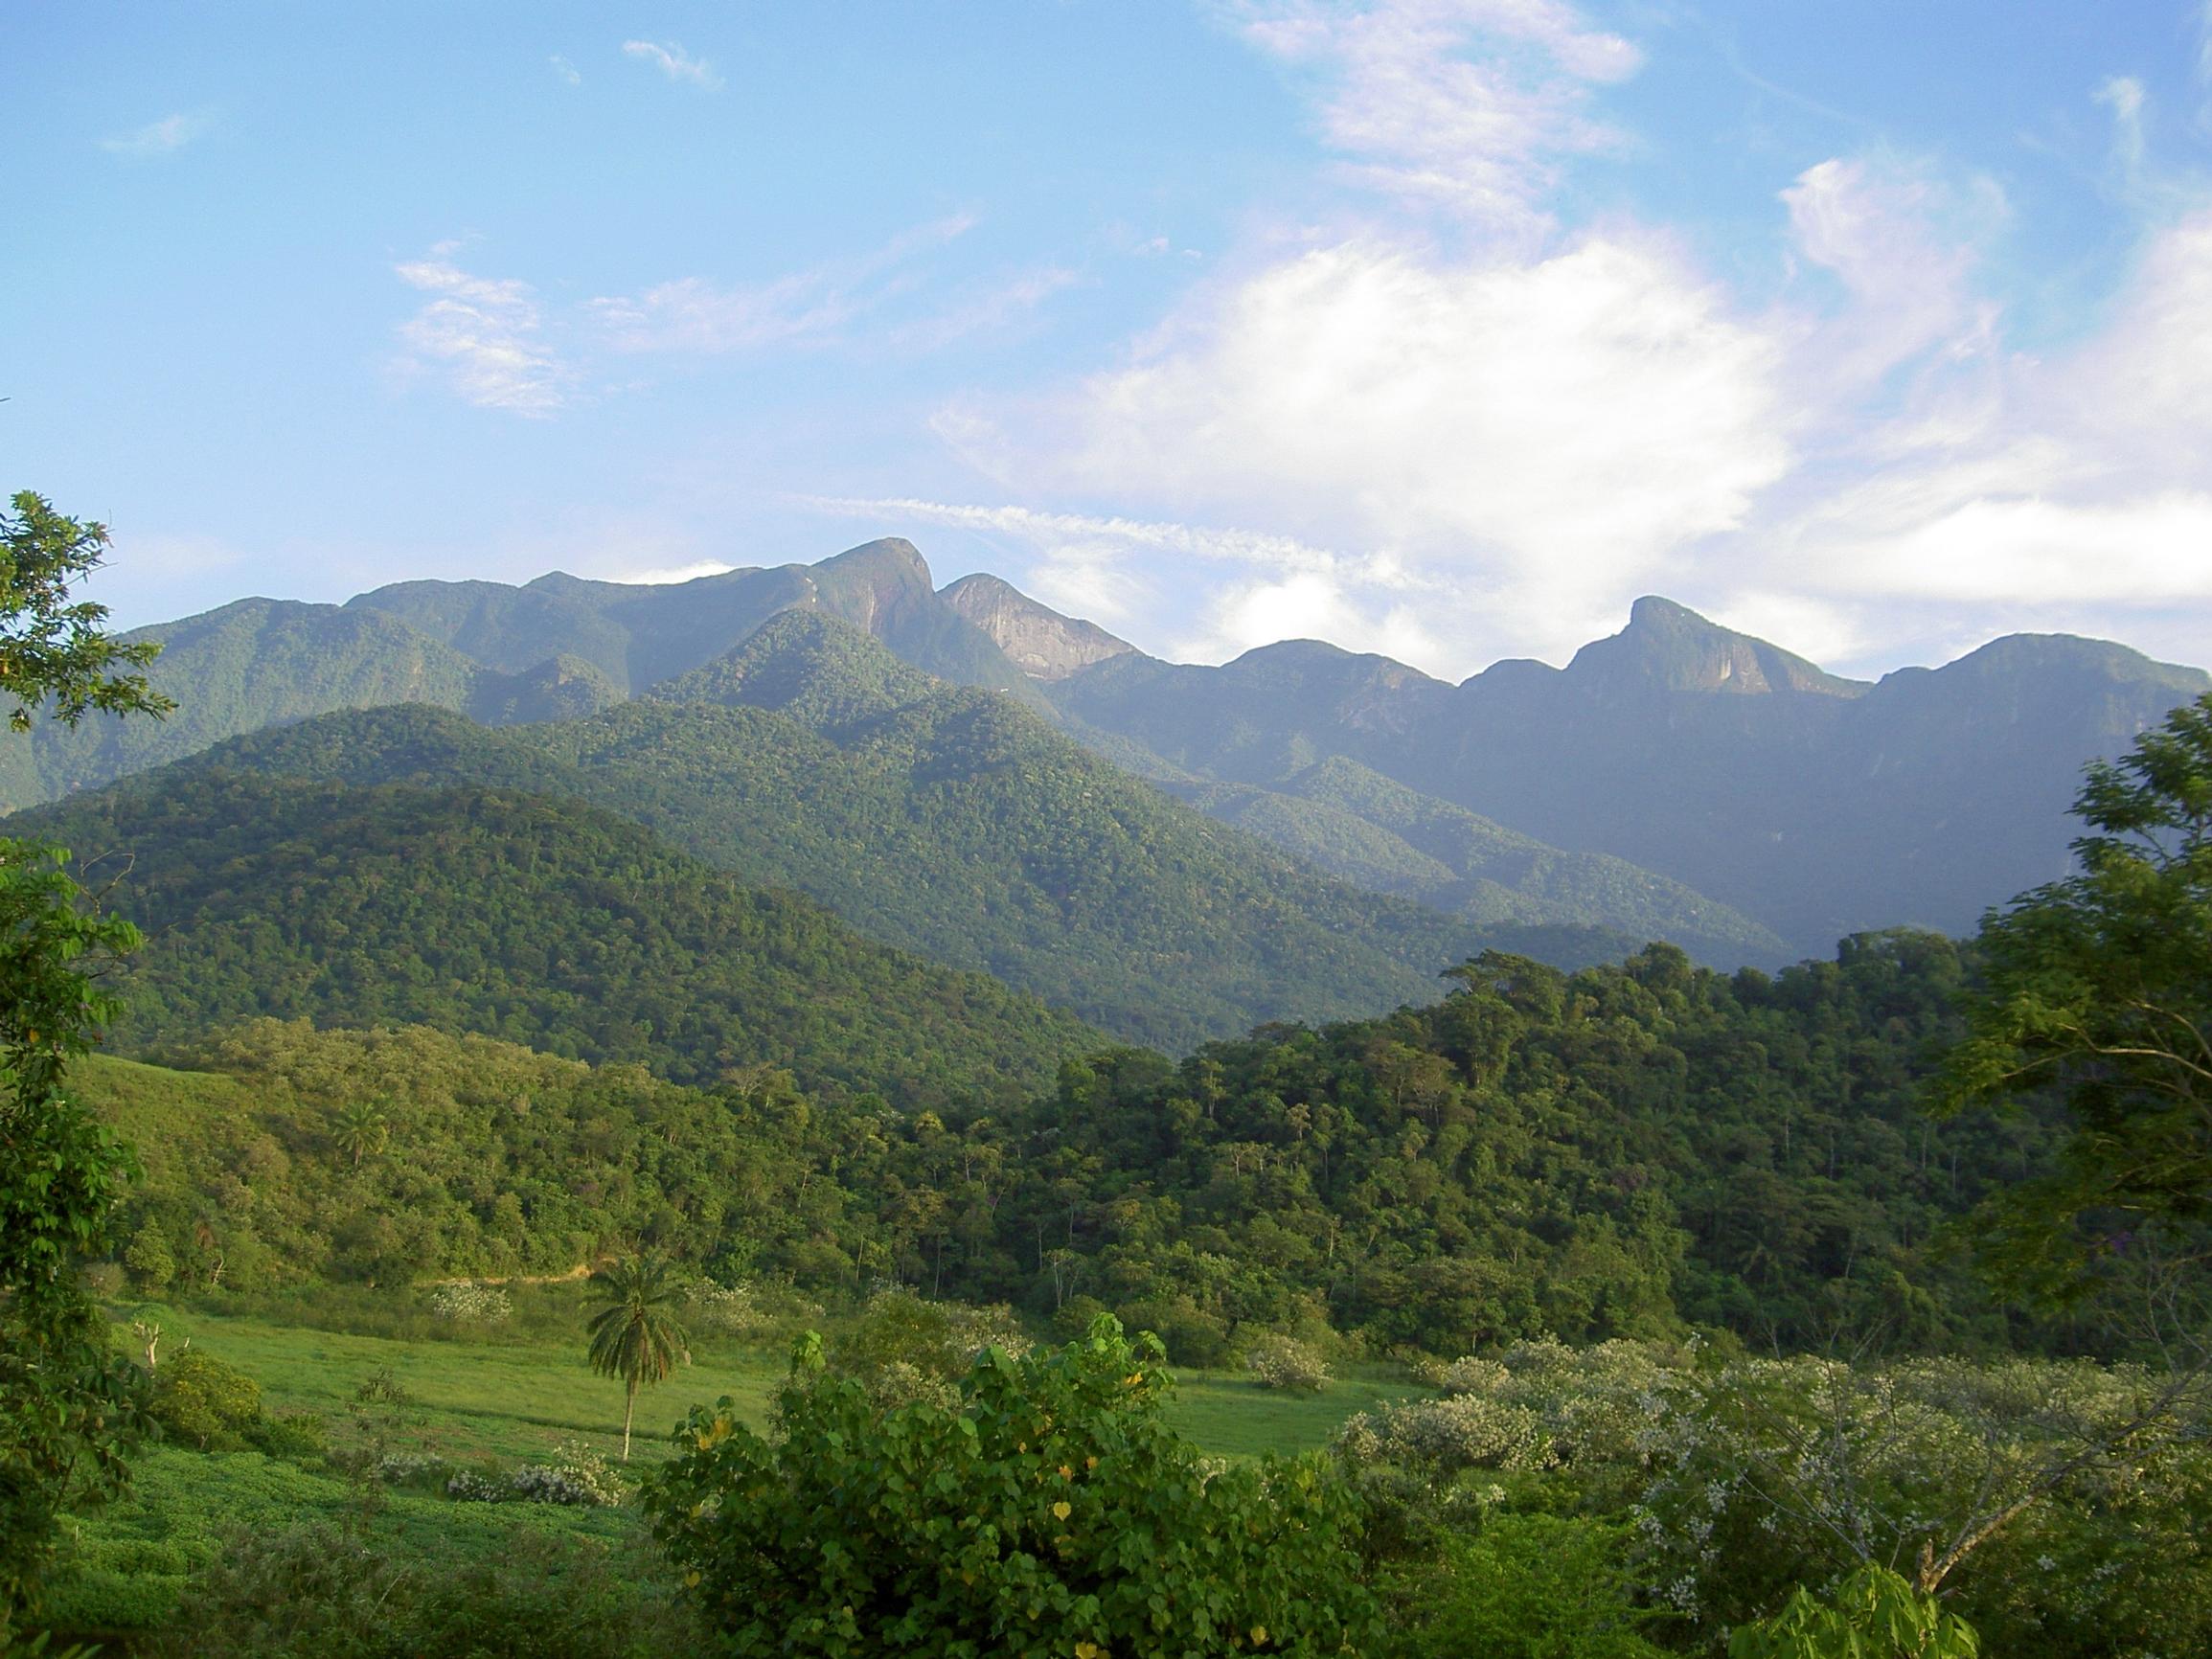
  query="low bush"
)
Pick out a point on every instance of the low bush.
point(1049, 1509)
point(1525, 1588)
point(473, 1303)
point(1285, 1363)
point(576, 1476)
point(200, 1401)
point(321, 1592)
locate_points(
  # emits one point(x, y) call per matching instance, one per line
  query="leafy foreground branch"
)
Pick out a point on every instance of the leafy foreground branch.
point(1048, 1510)
point(69, 1408)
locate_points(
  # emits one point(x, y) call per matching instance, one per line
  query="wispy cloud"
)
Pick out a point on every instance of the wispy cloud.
point(1465, 104)
point(159, 138)
point(675, 62)
point(483, 335)
point(994, 309)
point(1047, 530)
point(564, 71)
point(2124, 95)
point(1112, 569)
point(806, 307)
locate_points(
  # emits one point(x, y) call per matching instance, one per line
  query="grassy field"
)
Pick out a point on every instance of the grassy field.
point(515, 1396)
point(494, 1397)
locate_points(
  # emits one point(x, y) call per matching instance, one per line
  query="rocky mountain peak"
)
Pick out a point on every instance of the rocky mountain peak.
point(1669, 647)
point(1037, 638)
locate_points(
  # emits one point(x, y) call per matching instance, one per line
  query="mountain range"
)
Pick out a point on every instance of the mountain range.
point(1171, 852)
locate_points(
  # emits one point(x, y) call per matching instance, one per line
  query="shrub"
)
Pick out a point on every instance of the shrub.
point(382, 1387)
point(149, 1258)
point(202, 1401)
point(475, 1304)
point(1527, 1588)
point(419, 1471)
point(475, 1486)
point(1875, 1614)
point(906, 1349)
point(1779, 1472)
point(576, 1476)
point(316, 1592)
point(1049, 1509)
point(1285, 1362)
point(297, 1436)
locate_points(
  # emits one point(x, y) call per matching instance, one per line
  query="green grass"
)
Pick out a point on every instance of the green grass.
point(500, 1400)
point(503, 1396)
point(513, 1393)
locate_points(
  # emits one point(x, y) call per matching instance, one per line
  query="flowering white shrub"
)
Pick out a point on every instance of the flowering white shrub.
point(732, 1308)
point(465, 1300)
point(410, 1469)
point(1284, 1362)
point(576, 1476)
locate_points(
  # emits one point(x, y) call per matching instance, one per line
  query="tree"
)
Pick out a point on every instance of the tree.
point(1048, 1509)
point(2097, 991)
point(361, 1129)
point(53, 653)
point(634, 1336)
point(70, 1407)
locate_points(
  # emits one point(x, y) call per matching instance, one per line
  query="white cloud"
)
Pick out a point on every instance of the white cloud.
point(564, 70)
point(1527, 437)
point(164, 137)
point(1465, 104)
point(2068, 494)
point(483, 336)
point(668, 575)
point(806, 307)
point(1113, 570)
point(1307, 606)
point(675, 62)
point(2133, 552)
point(1517, 433)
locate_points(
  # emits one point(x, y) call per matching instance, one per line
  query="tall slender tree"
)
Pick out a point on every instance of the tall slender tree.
point(634, 1336)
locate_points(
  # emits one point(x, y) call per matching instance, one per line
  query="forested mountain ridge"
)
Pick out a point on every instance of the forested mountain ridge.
point(538, 920)
point(1766, 807)
point(640, 636)
point(954, 823)
point(1377, 833)
point(1817, 806)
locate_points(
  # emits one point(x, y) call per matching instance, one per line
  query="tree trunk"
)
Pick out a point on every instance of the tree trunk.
point(628, 1405)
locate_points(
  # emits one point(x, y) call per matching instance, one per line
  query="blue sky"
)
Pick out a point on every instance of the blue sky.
point(1443, 327)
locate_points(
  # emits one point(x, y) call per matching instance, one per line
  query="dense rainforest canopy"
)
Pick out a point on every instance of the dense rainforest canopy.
point(1626, 1151)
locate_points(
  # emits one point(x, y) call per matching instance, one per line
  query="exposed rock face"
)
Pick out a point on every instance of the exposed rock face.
point(1039, 641)
point(1667, 647)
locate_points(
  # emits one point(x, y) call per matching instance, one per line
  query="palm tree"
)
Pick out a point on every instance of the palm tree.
point(634, 1337)
point(361, 1129)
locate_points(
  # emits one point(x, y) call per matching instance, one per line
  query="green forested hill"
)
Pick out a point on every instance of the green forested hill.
point(1376, 833)
point(1592, 1155)
point(948, 821)
point(249, 665)
point(1618, 1151)
point(481, 1157)
point(545, 921)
